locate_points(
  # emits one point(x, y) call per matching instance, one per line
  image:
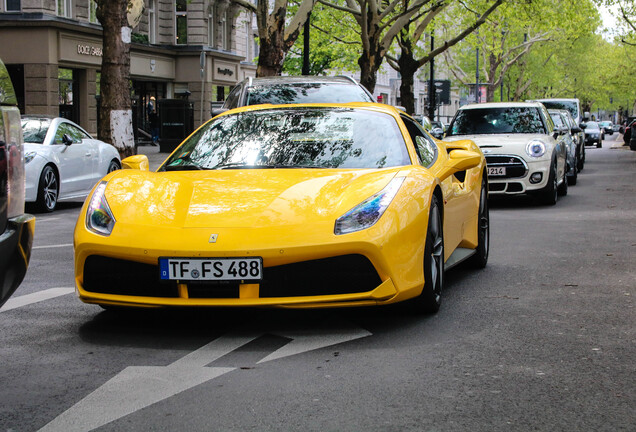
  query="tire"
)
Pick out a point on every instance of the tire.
point(48, 190)
point(430, 299)
point(572, 179)
point(562, 189)
point(548, 194)
point(599, 144)
point(480, 259)
point(113, 166)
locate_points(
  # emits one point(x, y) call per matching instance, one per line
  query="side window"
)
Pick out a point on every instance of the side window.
point(232, 100)
point(424, 146)
point(62, 129)
point(77, 134)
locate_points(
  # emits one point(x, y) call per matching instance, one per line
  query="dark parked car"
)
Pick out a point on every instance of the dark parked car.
point(16, 227)
point(593, 134)
point(608, 127)
point(295, 89)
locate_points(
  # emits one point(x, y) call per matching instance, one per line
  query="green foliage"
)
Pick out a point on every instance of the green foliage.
point(331, 47)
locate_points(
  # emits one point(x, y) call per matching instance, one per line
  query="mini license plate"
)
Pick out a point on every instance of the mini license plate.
point(211, 269)
point(497, 171)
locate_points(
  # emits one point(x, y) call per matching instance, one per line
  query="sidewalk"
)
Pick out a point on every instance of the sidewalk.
point(154, 156)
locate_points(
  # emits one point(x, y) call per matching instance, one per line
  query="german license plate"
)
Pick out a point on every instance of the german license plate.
point(211, 269)
point(497, 171)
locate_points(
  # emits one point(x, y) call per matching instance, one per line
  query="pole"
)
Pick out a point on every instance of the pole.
point(431, 84)
point(306, 46)
point(477, 98)
point(202, 64)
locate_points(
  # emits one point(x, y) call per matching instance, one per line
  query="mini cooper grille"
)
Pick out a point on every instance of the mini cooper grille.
point(345, 274)
point(115, 276)
point(515, 166)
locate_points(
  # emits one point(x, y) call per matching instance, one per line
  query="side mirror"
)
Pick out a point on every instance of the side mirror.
point(555, 134)
point(67, 140)
point(583, 126)
point(461, 160)
point(576, 130)
point(216, 111)
point(138, 162)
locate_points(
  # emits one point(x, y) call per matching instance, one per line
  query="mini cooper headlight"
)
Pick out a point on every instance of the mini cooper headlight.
point(99, 218)
point(535, 148)
point(369, 211)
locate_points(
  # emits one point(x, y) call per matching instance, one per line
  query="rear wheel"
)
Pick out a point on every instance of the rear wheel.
point(48, 190)
point(113, 166)
point(480, 259)
point(430, 299)
point(599, 144)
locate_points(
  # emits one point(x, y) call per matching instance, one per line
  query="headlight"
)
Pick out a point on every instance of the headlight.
point(28, 157)
point(368, 212)
point(535, 148)
point(99, 218)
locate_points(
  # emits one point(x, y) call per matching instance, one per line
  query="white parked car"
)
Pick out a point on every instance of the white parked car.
point(519, 141)
point(62, 161)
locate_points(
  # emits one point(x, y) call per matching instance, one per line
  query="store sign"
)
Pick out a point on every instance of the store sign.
point(89, 50)
point(225, 71)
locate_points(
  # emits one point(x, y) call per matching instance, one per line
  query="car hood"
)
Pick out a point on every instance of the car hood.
point(505, 143)
point(240, 198)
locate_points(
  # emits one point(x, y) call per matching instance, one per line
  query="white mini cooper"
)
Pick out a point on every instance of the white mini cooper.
point(521, 147)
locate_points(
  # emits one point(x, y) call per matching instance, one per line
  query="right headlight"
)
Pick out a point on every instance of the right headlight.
point(99, 217)
point(535, 148)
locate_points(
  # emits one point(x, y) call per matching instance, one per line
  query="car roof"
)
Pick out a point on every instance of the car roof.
point(502, 105)
point(340, 79)
point(370, 106)
point(557, 99)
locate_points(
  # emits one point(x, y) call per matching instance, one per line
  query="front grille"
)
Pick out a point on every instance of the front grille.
point(116, 276)
point(345, 274)
point(515, 166)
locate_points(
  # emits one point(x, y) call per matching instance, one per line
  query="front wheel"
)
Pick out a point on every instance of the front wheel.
point(548, 195)
point(599, 144)
point(113, 166)
point(430, 299)
point(480, 259)
point(48, 190)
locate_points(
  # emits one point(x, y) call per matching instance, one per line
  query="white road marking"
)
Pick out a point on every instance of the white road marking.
point(46, 219)
point(53, 246)
point(16, 302)
point(138, 387)
point(312, 339)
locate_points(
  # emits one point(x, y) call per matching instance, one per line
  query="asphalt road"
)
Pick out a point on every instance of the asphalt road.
point(542, 339)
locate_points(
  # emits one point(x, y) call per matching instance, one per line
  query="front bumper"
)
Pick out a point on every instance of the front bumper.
point(592, 139)
point(15, 253)
point(519, 171)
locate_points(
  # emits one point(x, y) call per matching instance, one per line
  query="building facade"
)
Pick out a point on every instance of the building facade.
point(186, 49)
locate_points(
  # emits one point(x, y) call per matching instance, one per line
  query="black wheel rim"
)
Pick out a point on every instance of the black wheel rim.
point(50, 189)
point(437, 254)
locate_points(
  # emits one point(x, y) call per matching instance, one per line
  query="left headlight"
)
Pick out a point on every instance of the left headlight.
point(535, 148)
point(368, 212)
point(99, 217)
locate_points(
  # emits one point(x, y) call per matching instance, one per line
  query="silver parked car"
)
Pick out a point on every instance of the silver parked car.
point(562, 127)
point(62, 161)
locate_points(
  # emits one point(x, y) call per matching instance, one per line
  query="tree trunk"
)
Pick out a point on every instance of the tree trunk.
point(116, 113)
point(408, 68)
point(271, 55)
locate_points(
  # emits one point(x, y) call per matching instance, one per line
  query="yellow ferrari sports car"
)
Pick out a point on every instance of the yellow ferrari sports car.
point(313, 205)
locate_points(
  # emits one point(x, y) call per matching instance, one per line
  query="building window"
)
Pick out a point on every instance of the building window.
point(64, 8)
point(92, 11)
point(181, 22)
point(152, 22)
point(12, 5)
point(224, 38)
point(211, 27)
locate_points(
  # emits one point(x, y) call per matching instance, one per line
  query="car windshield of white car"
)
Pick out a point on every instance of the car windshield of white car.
point(294, 138)
point(34, 130)
point(481, 121)
point(305, 93)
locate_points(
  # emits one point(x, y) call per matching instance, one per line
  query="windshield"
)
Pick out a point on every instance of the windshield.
point(305, 93)
point(591, 126)
point(571, 106)
point(482, 121)
point(294, 138)
point(34, 130)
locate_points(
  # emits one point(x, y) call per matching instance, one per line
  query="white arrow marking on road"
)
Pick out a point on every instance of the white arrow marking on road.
point(53, 246)
point(138, 387)
point(39, 296)
point(312, 339)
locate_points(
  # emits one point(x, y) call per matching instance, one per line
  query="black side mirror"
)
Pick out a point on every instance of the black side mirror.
point(555, 134)
point(583, 126)
point(576, 129)
point(67, 140)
